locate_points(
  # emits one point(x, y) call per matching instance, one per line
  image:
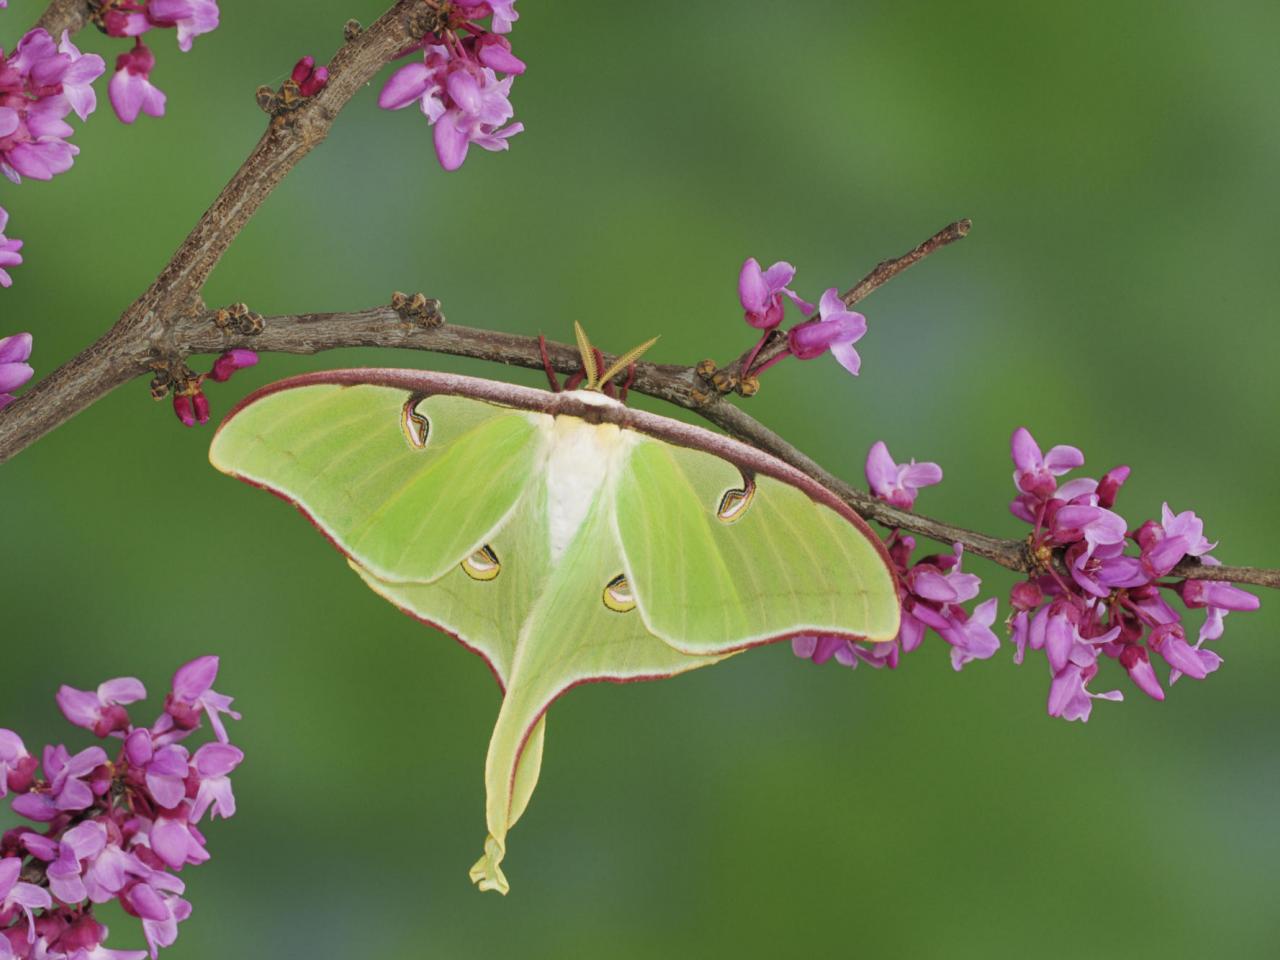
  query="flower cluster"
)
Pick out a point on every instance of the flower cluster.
point(1106, 596)
point(190, 405)
point(835, 329)
point(112, 829)
point(456, 83)
point(131, 90)
point(41, 84)
point(932, 590)
point(15, 351)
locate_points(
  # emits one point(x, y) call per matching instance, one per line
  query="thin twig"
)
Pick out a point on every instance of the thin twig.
point(383, 327)
point(885, 271)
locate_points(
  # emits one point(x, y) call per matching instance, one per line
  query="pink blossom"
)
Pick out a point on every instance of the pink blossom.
point(231, 361)
point(101, 711)
point(970, 635)
point(9, 257)
point(131, 91)
point(1069, 694)
point(504, 15)
point(82, 842)
point(121, 23)
point(465, 101)
point(479, 107)
point(14, 353)
point(898, 484)
point(77, 81)
point(40, 84)
point(17, 766)
point(1137, 664)
point(1095, 525)
point(176, 841)
point(495, 51)
point(760, 292)
point(192, 18)
point(193, 692)
point(837, 329)
point(1164, 544)
point(213, 764)
point(1034, 472)
point(163, 932)
point(192, 409)
point(15, 894)
point(1104, 569)
point(114, 828)
point(309, 78)
point(166, 775)
point(1196, 662)
point(67, 789)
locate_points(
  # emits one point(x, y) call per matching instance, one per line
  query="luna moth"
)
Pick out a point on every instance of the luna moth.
point(564, 537)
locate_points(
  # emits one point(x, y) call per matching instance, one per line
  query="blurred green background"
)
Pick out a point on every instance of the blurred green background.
point(1118, 292)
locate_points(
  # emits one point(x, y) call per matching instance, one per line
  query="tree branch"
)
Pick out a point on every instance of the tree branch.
point(60, 15)
point(140, 333)
point(312, 333)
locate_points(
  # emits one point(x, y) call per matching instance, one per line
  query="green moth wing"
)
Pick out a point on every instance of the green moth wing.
point(403, 503)
point(564, 537)
point(821, 575)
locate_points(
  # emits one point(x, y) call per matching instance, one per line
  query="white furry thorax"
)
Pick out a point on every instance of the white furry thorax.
point(581, 458)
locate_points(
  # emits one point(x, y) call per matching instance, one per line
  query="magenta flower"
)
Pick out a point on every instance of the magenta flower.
point(837, 329)
point(1034, 472)
point(309, 78)
point(504, 15)
point(9, 257)
point(40, 85)
point(193, 692)
point(77, 82)
point(231, 361)
point(17, 766)
point(495, 52)
point(479, 107)
point(1096, 526)
point(176, 841)
point(1170, 642)
point(192, 18)
point(131, 91)
point(213, 764)
point(1164, 544)
point(1218, 599)
point(101, 711)
point(761, 292)
point(1104, 569)
point(845, 652)
point(67, 789)
point(121, 23)
point(970, 635)
point(163, 931)
point(115, 828)
point(16, 895)
point(166, 774)
point(460, 96)
point(1137, 664)
point(898, 484)
point(82, 842)
point(14, 353)
point(191, 408)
